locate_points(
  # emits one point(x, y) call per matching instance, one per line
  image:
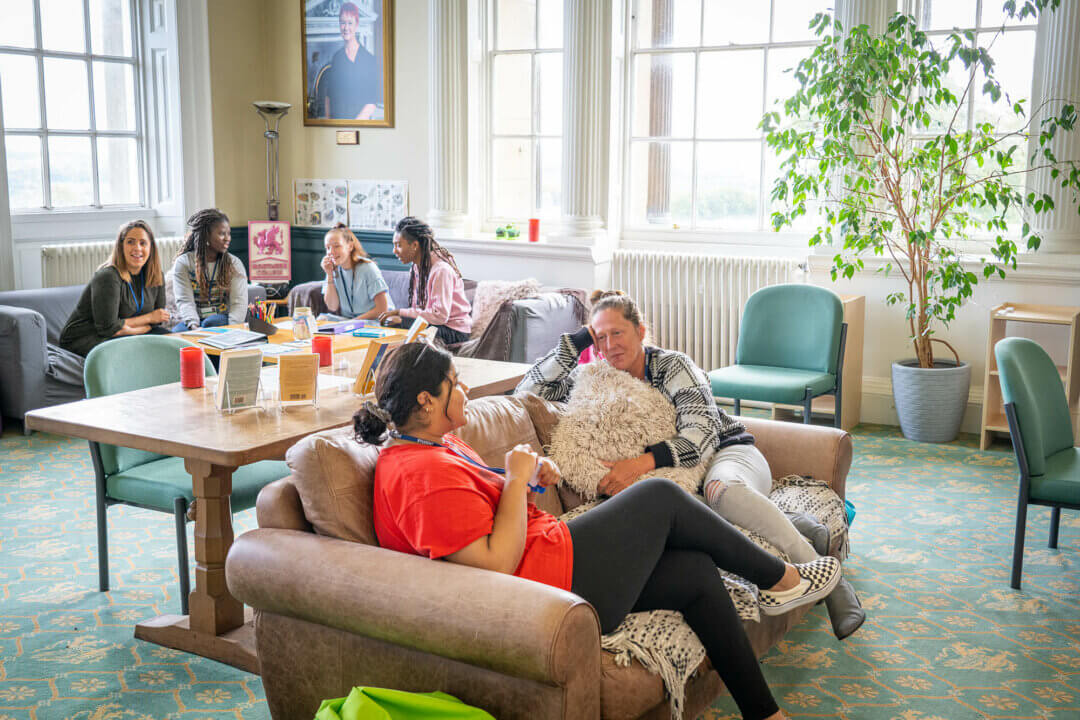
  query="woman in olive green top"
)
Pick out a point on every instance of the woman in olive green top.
point(126, 296)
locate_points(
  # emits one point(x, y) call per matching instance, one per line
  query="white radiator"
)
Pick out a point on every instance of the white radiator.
point(693, 303)
point(74, 263)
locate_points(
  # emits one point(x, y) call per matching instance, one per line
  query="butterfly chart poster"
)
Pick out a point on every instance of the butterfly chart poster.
point(377, 204)
point(322, 203)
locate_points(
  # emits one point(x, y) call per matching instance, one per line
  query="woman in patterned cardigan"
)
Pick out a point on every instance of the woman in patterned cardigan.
point(738, 479)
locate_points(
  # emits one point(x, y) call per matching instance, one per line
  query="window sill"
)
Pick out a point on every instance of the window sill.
point(86, 224)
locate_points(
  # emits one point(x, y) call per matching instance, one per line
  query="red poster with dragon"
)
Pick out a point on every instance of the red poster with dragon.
point(269, 256)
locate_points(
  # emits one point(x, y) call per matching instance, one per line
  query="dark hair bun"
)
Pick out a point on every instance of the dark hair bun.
point(598, 295)
point(368, 427)
point(340, 226)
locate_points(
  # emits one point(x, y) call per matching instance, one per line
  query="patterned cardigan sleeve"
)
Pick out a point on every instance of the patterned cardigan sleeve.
point(550, 376)
point(698, 422)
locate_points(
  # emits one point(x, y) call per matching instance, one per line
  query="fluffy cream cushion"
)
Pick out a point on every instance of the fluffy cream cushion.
point(612, 416)
point(491, 294)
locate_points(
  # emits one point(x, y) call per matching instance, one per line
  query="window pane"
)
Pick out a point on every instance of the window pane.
point(993, 15)
point(24, 171)
point(110, 27)
point(551, 24)
point(947, 14)
point(550, 180)
point(510, 178)
point(17, 29)
point(67, 101)
point(663, 95)
point(511, 96)
point(19, 85)
point(515, 24)
point(70, 171)
point(956, 81)
point(118, 171)
point(781, 64)
point(791, 19)
point(549, 74)
point(62, 25)
point(727, 75)
point(728, 185)
point(1014, 58)
point(668, 23)
point(805, 223)
point(735, 21)
point(114, 96)
point(660, 183)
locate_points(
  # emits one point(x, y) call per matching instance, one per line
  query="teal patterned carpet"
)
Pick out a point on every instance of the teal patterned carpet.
point(946, 639)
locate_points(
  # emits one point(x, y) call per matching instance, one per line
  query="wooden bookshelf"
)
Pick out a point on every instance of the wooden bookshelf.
point(993, 407)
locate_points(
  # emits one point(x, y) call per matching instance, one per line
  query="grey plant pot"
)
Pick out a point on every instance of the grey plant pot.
point(930, 401)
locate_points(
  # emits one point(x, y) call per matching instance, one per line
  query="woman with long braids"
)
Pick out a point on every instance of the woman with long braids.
point(126, 296)
point(436, 290)
point(209, 283)
point(650, 547)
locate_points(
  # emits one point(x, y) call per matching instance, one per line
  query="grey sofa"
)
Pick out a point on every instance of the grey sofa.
point(521, 331)
point(34, 371)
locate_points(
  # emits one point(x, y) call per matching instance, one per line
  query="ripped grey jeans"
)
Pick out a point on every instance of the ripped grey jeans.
point(737, 486)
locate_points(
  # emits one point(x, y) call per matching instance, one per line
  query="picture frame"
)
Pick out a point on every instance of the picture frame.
point(347, 84)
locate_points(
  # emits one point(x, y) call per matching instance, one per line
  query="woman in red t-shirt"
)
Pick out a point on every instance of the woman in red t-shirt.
point(650, 547)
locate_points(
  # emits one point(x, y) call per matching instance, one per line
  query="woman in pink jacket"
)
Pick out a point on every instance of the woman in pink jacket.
point(436, 290)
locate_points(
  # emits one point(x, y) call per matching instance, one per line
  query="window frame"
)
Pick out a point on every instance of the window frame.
point(693, 233)
point(489, 217)
point(138, 133)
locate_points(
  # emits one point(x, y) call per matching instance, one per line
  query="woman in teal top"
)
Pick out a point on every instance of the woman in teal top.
point(354, 287)
point(126, 296)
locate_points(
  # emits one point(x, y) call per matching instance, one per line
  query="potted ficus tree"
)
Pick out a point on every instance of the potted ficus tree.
point(874, 142)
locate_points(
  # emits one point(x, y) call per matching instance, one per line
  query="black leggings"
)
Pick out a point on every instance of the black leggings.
point(655, 547)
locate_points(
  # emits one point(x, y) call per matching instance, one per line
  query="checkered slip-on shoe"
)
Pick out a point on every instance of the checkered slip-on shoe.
point(819, 577)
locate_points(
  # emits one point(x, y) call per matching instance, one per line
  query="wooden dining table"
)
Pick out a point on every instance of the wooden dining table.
point(170, 420)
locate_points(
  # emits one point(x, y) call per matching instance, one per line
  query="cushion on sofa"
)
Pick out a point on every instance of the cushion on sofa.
point(491, 294)
point(334, 475)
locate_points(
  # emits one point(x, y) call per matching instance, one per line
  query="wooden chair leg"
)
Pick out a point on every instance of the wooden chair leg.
point(1055, 520)
point(180, 514)
point(1018, 542)
point(738, 406)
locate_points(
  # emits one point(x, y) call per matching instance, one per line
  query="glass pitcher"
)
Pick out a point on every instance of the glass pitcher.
point(303, 323)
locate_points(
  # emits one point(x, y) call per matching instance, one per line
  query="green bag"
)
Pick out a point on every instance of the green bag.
point(372, 703)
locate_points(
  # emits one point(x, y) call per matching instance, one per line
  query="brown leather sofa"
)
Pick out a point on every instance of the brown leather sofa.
point(333, 610)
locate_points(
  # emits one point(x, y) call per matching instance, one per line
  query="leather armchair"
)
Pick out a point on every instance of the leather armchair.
point(333, 613)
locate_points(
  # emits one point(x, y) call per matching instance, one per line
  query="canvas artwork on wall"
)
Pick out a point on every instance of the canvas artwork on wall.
point(269, 256)
point(322, 203)
point(348, 62)
point(377, 204)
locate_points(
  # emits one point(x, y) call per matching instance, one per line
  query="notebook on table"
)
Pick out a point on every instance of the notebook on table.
point(234, 339)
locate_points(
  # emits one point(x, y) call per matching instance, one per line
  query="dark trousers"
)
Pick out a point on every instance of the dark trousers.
point(443, 333)
point(654, 547)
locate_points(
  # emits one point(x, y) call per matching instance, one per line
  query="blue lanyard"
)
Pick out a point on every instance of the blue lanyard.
point(498, 471)
point(348, 294)
point(142, 294)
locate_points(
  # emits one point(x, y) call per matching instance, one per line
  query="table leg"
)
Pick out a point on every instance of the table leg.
point(216, 627)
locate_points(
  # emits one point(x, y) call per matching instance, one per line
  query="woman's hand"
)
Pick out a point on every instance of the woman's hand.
point(390, 317)
point(548, 474)
point(159, 316)
point(520, 464)
point(327, 265)
point(624, 473)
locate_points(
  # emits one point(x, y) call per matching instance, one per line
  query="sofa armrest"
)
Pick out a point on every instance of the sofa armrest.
point(813, 451)
point(492, 620)
point(23, 360)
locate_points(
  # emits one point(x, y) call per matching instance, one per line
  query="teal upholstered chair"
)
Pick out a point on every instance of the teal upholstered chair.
point(144, 479)
point(1042, 437)
point(791, 349)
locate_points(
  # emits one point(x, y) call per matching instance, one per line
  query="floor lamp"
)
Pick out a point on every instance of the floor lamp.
point(271, 113)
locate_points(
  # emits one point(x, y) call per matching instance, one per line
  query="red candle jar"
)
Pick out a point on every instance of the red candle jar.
point(191, 367)
point(323, 345)
point(534, 229)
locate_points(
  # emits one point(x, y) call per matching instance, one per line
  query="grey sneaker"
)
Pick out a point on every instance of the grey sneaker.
point(819, 577)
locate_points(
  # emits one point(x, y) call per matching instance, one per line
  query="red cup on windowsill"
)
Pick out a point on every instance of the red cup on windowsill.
point(191, 367)
point(534, 230)
point(323, 345)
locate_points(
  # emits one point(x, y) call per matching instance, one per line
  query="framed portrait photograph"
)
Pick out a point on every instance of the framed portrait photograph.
point(348, 62)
